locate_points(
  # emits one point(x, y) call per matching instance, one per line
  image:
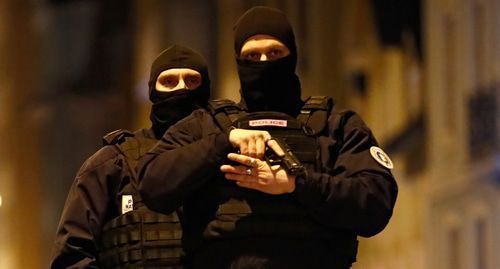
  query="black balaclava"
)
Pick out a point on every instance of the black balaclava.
point(268, 85)
point(170, 107)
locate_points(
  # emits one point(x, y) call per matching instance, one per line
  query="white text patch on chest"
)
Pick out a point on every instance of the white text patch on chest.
point(268, 122)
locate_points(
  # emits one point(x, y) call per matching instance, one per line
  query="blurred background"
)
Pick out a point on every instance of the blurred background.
point(424, 74)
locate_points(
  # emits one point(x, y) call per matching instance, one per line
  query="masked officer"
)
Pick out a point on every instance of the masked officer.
point(257, 214)
point(104, 223)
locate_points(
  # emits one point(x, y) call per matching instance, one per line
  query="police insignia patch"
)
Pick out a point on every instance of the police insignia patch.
point(381, 157)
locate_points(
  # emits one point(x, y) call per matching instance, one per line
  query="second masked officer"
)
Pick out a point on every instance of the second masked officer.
point(104, 223)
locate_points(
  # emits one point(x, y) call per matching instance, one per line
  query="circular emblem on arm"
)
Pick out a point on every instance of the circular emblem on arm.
point(381, 157)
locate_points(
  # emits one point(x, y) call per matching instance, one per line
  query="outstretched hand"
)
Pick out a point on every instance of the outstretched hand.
point(258, 175)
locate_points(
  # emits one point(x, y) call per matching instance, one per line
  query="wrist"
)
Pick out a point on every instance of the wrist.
point(291, 184)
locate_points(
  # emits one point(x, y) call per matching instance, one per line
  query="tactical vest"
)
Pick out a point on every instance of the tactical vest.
point(247, 213)
point(139, 238)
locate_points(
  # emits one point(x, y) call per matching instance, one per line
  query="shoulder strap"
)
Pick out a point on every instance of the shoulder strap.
point(116, 137)
point(132, 147)
point(225, 112)
point(128, 143)
point(315, 112)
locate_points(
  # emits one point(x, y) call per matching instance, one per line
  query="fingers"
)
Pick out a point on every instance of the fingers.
point(266, 136)
point(249, 185)
point(244, 160)
point(240, 178)
point(229, 169)
point(240, 169)
point(260, 148)
point(249, 142)
point(254, 162)
point(275, 147)
point(243, 148)
point(246, 181)
point(246, 172)
point(252, 147)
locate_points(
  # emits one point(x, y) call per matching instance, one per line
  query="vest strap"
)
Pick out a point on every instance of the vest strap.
point(116, 137)
point(315, 112)
point(225, 112)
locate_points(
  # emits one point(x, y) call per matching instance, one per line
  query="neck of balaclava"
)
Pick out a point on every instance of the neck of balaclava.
point(270, 86)
point(159, 127)
point(289, 101)
point(171, 107)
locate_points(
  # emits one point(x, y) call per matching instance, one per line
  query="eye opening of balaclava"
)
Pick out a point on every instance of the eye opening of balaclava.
point(268, 85)
point(170, 107)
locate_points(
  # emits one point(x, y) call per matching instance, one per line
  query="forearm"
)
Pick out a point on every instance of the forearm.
point(362, 203)
point(168, 176)
point(355, 190)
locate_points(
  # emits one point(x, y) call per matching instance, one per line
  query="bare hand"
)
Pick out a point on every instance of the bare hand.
point(258, 175)
point(252, 143)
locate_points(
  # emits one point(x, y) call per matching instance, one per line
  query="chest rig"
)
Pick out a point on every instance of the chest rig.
point(298, 133)
point(139, 237)
point(248, 213)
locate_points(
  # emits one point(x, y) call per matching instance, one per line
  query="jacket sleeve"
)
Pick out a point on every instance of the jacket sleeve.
point(188, 154)
point(84, 212)
point(358, 193)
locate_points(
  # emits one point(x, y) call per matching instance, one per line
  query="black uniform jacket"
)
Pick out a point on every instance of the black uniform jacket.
point(355, 193)
point(93, 199)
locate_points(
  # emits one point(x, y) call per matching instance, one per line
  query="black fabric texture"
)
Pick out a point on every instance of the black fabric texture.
point(93, 199)
point(174, 106)
point(170, 107)
point(351, 193)
point(268, 85)
point(267, 21)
